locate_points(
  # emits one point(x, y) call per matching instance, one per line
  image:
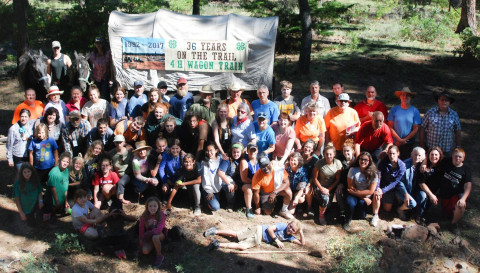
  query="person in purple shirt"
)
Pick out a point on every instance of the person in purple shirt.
point(391, 172)
point(264, 105)
point(180, 102)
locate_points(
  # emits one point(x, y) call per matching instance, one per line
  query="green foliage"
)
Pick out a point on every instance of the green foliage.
point(356, 253)
point(66, 244)
point(38, 265)
point(6, 21)
point(436, 25)
point(470, 48)
point(289, 27)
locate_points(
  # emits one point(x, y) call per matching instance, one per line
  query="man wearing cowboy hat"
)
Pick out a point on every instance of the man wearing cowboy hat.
point(75, 134)
point(181, 101)
point(341, 122)
point(54, 101)
point(207, 105)
point(441, 125)
point(404, 121)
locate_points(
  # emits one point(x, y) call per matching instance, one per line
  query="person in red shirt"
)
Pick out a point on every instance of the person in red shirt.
point(106, 180)
point(34, 106)
point(372, 136)
point(370, 104)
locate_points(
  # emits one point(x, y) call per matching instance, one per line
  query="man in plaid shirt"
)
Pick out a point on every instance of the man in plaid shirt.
point(74, 134)
point(441, 125)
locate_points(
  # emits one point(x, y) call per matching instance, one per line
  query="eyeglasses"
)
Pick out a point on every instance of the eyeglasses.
point(241, 111)
point(56, 47)
point(364, 159)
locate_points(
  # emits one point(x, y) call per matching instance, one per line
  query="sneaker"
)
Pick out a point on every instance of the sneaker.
point(347, 227)
point(374, 221)
point(401, 214)
point(158, 261)
point(214, 245)
point(120, 254)
point(286, 214)
point(419, 220)
point(210, 232)
point(342, 219)
point(250, 213)
point(197, 211)
point(310, 212)
point(322, 221)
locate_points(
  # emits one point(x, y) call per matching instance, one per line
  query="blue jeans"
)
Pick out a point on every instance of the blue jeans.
point(423, 202)
point(355, 204)
point(214, 203)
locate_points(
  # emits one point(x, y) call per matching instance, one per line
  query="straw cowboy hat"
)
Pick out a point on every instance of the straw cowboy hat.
point(53, 90)
point(140, 145)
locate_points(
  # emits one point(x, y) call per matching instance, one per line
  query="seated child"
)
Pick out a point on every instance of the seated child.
point(253, 236)
point(106, 180)
point(152, 230)
point(85, 216)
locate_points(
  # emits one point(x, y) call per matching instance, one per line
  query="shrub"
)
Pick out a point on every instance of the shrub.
point(470, 48)
point(34, 264)
point(66, 244)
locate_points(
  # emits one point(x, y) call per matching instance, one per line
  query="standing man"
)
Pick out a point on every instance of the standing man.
point(207, 106)
point(286, 102)
point(181, 101)
point(264, 105)
point(370, 104)
point(58, 67)
point(162, 86)
point(322, 102)
point(441, 125)
point(337, 89)
point(135, 103)
point(341, 122)
point(404, 121)
point(34, 106)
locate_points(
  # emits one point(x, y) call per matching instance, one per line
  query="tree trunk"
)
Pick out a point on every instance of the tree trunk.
point(306, 39)
point(468, 17)
point(196, 7)
point(20, 8)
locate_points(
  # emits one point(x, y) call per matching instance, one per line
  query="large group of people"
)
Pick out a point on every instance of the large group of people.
point(283, 156)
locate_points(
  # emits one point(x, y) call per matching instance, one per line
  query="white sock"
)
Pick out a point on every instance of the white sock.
point(284, 207)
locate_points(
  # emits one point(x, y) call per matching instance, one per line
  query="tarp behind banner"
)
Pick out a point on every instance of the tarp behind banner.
point(143, 46)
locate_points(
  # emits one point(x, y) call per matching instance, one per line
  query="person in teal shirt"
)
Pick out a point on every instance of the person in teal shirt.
point(57, 187)
point(28, 194)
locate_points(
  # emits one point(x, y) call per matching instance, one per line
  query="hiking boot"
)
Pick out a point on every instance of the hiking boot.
point(401, 214)
point(310, 212)
point(158, 261)
point(197, 211)
point(214, 245)
point(419, 220)
point(286, 214)
point(210, 232)
point(322, 221)
point(250, 213)
point(374, 221)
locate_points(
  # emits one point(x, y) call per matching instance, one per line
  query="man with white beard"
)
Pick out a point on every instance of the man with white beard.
point(181, 101)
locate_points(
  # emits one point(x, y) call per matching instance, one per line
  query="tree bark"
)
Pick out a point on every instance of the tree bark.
point(468, 17)
point(20, 8)
point(306, 39)
point(196, 7)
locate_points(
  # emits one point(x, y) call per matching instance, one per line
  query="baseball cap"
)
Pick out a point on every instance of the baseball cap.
point(56, 44)
point(181, 80)
point(252, 146)
point(75, 114)
point(98, 40)
point(262, 115)
point(137, 83)
point(343, 97)
point(118, 138)
point(263, 161)
point(162, 84)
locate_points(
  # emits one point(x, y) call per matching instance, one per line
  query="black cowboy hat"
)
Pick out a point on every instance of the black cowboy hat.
point(445, 94)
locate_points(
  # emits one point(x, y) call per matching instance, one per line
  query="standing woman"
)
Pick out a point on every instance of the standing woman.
point(404, 121)
point(117, 111)
point(18, 136)
point(96, 108)
point(221, 131)
point(154, 97)
point(284, 138)
point(58, 67)
point(101, 62)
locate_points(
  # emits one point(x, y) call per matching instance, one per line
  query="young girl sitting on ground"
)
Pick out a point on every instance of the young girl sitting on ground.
point(42, 152)
point(57, 188)
point(85, 216)
point(253, 236)
point(189, 177)
point(104, 183)
point(152, 230)
point(28, 194)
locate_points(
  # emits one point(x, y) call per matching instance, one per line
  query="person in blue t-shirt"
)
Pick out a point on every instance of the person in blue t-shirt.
point(265, 134)
point(253, 236)
point(264, 105)
point(134, 106)
point(181, 102)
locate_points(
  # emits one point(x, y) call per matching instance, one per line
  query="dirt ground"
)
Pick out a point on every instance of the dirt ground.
point(423, 74)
